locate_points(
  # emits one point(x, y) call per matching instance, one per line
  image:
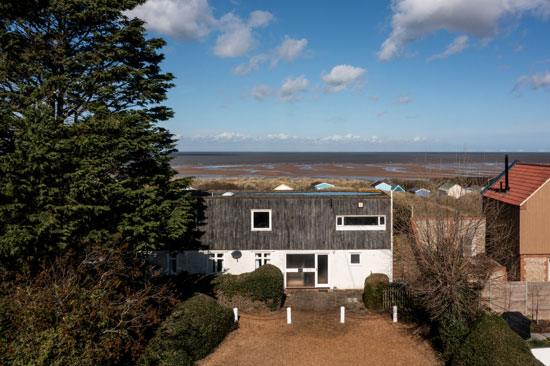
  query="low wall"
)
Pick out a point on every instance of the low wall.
point(529, 298)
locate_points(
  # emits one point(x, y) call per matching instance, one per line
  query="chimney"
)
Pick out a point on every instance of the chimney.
point(506, 185)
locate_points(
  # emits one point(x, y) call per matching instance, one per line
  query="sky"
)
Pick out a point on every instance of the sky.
point(402, 75)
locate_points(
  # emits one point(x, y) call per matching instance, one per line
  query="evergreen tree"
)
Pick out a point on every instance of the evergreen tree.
point(82, 158)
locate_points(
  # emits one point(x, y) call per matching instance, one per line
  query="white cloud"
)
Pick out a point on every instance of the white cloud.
point(289, 50)
point(413, 19)
point(459, 44)
point(189, 20)
point(534, 81)
point(346, 139)
point(262, 92)
point(253, 65)
point(260, 18)
point(341, 76)
point(237, 38)
point(291, 89)
point(403, 99)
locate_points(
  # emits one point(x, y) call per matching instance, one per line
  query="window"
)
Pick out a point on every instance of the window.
point(355, 258)
point(262, 258)
point(261, 220)
point(216, 262)
point(360, 222)
point(173, 263)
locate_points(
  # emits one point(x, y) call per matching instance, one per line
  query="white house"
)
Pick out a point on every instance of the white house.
point(451, 189)
point(283, 187)
point(317, 239)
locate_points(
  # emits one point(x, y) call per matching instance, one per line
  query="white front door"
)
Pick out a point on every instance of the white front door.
point(306, 270)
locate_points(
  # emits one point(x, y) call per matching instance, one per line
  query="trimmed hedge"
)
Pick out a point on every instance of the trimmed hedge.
point(493, 343)
point(373, 293)
point(265, 284)
point(190, 333)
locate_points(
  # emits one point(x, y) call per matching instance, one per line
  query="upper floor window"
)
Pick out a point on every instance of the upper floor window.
point(261, 220)
point(361, 222)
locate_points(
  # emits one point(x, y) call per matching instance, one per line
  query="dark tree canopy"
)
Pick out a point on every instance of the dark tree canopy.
point(82, 158)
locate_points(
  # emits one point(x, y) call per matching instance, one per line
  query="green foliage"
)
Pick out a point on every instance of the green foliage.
point(493, 343)
point(373, 293)
point(82, 159)
point(191, 332)
point(452, 328)
point(93, 312)
point(265, 284)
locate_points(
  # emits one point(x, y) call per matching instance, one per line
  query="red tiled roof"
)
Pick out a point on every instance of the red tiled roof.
point(524, 179)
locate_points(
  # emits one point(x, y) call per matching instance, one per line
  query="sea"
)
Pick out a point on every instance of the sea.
point(476, 163)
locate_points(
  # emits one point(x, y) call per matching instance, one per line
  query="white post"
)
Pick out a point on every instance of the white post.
point(342, 314)
point(236, 313)
point(395, 314)
point(288, 316)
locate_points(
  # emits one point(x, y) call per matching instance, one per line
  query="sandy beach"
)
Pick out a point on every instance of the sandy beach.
point(357, 171)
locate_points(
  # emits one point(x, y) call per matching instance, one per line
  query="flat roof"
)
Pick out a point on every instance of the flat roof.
point(363, 194)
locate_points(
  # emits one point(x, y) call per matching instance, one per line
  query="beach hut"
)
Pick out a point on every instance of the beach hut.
point(474, 188)
point(397, 188)
point(283, 187)
point(451, 189)
point(323, 185)
point(422, 192)
point(383, 186)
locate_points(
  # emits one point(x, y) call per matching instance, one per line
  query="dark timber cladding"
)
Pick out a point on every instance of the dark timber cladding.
point(298, 222)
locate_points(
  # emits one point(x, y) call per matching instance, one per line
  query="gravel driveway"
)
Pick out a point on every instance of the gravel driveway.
point(317, 338)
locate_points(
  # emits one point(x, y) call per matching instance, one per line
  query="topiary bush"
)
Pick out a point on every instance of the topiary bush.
point(265, 284)
point(452, 328)
point(493, 343)
point(373, 293)
point(191, 332)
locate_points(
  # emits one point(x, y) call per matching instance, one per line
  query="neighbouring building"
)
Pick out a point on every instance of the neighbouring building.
point(451, 189)
point(383, 186)
point(422, 192)
point(324, 185)
point(317, 239)
point(283, 187)
point(522, 193)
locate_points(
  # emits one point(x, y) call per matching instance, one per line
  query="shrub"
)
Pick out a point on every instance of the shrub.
point(265, 284)
point(191, 332)
point(375, 284)
point(452, 328)
point(81, 312)
point(492, 342)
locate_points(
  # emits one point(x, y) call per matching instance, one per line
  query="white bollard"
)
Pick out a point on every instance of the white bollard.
point(288, 316)
point(395, 314)
point(236, 313)
point(342, 314)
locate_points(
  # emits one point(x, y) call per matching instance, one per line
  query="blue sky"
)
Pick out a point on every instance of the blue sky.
point(406, 75)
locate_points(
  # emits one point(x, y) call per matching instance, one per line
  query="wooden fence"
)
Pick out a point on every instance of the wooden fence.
point(529, 298)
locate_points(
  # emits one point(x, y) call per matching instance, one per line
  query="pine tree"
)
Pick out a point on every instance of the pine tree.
point(82, 158)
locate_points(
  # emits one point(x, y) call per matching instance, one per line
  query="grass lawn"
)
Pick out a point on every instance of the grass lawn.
point(316, 338)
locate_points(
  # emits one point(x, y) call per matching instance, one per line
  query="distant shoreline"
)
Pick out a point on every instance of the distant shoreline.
point(370, 166)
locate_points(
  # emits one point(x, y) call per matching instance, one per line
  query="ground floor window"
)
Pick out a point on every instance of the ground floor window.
point(216, 262)
point(262, 258)
point(173, 263)
point(355, 258)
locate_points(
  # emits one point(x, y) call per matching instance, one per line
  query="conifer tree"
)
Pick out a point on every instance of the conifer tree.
point(83, 160)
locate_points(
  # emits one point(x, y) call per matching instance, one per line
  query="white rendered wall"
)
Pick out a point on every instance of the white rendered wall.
point(342, 274)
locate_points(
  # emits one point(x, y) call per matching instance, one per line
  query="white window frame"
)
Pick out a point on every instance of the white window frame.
point(215, 258)
point(355, 264)
point(262, 258)
point(342, 227)
point(172, 257)
point(252, 220)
